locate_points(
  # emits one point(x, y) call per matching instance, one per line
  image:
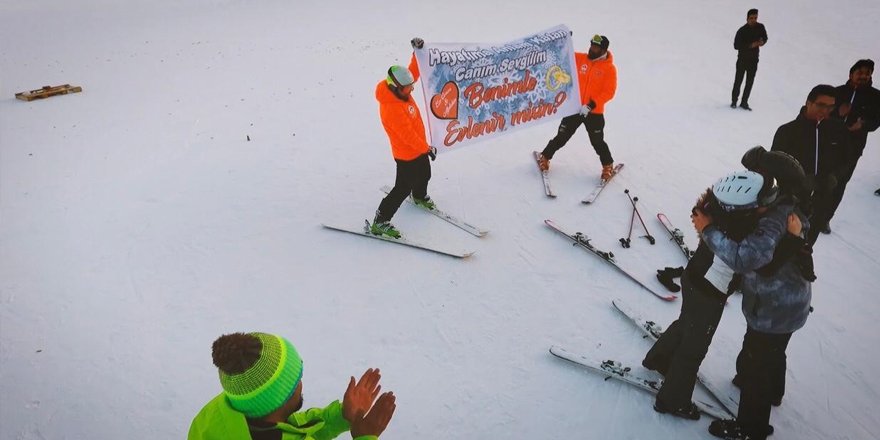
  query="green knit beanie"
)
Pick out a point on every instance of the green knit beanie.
point(267, 384)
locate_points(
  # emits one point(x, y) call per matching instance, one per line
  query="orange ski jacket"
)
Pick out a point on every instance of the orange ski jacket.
point(597, 78)
point(403, 122)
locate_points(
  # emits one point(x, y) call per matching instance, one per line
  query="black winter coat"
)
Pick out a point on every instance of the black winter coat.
point(832, 149)
point(865, 104)
point(745, 36)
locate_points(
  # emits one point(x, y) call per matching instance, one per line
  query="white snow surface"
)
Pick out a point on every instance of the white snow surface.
point(138, 223)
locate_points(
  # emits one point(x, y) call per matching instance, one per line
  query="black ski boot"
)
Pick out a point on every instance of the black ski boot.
point(689, 411)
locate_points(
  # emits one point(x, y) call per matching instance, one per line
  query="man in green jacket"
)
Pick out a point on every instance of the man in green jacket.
point(261, 375)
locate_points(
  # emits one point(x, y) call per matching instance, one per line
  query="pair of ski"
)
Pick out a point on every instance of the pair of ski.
point(548, 191)
point(365, 232)
point(676, 235)
point(614, 369)
point(584, 242)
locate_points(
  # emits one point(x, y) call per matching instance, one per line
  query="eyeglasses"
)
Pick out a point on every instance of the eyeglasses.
point(823, 105)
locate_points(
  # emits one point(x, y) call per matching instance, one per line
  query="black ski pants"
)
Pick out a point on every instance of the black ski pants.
point(595, 124)
point(412, 178)
point(823, 205)
point(747, 69)
point(858, 144)
point(684, 344)
point(761, 368)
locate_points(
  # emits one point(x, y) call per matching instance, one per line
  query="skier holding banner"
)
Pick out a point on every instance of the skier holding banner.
point(597, 76)
point(406, 132)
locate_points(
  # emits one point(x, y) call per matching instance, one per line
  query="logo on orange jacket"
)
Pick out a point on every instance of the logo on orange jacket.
point(412, 110)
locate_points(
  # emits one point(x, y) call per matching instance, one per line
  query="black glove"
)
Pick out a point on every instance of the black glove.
point(805, 263)
point(432, 152)
point(417, 43)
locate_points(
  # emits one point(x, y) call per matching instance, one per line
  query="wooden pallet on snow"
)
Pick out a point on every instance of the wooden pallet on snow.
point(48, 91)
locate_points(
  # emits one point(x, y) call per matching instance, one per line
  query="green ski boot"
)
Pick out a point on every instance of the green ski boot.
point(384, 228)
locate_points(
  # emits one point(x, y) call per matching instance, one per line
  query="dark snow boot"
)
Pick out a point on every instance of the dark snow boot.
point(728, 430)
point(688, 411)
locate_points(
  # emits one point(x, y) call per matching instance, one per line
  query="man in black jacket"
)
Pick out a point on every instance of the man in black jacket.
point(822, 146)
point(858, 106)
point(748, 41)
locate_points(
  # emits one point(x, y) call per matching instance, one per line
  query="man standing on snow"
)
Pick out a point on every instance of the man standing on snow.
point(858, 106)
point(747, 42)
point(597, 76)
point(822, 146)
point(261, 375)
point(409, 146)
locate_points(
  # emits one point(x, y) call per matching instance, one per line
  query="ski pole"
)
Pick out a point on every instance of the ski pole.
point(625, 242)
point(633, 201)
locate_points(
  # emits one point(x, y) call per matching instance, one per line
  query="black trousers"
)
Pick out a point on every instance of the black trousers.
point(412, 178)
point(595, 124)
point(837, 194)
point(683, 345)
point(761, 367)
point(823, 205)
point(749, 69)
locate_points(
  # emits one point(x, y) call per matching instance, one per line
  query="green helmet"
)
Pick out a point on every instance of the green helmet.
point(399, 76)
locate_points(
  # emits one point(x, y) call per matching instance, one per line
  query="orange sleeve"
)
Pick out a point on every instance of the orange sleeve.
point(609, 88)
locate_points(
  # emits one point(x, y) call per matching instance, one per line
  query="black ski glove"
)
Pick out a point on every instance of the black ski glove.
point(417, 43)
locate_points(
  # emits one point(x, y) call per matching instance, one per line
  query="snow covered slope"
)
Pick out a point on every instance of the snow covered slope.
point(138, 223)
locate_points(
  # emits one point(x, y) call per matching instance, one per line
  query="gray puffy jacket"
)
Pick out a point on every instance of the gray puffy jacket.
point(779, 303)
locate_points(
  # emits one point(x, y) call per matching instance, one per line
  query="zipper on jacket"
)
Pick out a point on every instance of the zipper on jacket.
point(816, 164)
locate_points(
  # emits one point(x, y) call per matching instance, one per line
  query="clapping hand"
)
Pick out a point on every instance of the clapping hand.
point(359, 396)
point(375, 422)
point(364, 417)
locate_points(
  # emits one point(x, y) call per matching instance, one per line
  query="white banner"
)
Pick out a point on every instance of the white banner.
point(480, 91)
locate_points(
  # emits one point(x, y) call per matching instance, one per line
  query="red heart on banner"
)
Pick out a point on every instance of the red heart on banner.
point(445, 104)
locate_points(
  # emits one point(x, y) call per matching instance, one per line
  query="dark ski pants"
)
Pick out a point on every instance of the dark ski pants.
point(682, 347)
point(749, 69)
point(823, 208)
point(837, 194)
point(595, 124)
point(412, 178)
point(761, 367)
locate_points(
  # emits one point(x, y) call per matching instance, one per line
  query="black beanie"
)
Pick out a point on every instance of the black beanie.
point(601, 41)
point(862, 63)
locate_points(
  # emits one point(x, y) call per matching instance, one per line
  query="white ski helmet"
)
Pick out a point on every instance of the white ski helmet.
point(743, 190)
point(399, 76)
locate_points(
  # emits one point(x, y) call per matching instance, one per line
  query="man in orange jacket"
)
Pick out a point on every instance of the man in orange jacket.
point(597, 76)
point(409, 147)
